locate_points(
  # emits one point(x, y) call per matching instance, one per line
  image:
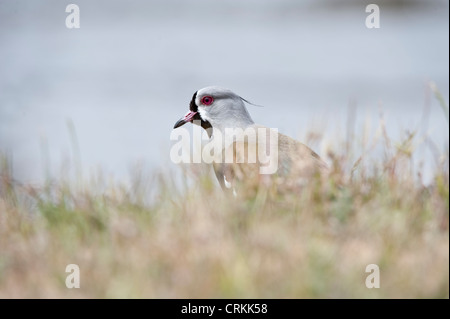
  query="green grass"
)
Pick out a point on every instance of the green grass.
point(193, 241)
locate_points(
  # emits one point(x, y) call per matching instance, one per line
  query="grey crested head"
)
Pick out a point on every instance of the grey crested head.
point(217, 107)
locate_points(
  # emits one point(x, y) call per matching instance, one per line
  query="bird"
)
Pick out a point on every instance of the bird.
point(220, 111)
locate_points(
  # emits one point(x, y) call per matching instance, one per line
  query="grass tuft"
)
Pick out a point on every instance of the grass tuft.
point(161, 238)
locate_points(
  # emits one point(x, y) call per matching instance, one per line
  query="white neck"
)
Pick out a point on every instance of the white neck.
point(232, 124)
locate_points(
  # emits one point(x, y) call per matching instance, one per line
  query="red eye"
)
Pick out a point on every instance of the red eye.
point(207, 100)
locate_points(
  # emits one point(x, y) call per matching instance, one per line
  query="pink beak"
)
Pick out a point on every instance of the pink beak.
point(187, 118)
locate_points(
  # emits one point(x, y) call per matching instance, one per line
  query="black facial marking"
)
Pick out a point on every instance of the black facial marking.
point(203, 123)
point(192, 106)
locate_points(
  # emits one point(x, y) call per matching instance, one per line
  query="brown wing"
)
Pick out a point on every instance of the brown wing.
point(243, 160)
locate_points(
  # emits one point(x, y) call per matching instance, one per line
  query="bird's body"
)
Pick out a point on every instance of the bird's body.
point(248, 149)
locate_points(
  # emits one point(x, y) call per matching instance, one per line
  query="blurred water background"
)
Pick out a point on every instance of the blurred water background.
point(124, 78)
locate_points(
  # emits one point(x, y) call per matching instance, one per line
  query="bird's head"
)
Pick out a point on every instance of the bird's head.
point(218, 108)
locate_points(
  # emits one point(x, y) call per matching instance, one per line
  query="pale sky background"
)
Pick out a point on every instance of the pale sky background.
point(128, 73)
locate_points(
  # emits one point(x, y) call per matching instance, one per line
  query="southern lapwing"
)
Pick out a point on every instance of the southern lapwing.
point(222, 113)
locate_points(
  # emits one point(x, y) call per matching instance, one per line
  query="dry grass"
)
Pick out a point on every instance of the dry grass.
point(193, 241)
